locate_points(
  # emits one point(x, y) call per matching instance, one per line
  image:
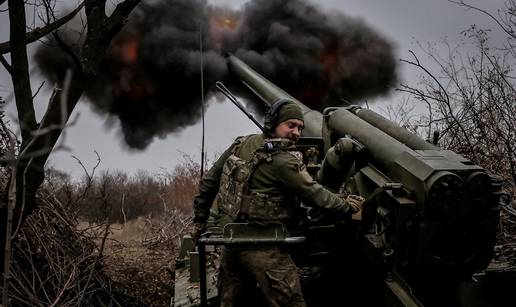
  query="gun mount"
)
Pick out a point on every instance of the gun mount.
point(430, 218)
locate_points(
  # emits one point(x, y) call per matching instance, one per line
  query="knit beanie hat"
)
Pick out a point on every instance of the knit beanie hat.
point(290, 110)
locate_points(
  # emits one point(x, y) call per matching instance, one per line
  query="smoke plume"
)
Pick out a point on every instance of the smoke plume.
point(151, 74)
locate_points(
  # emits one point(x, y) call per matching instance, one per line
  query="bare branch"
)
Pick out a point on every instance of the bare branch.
point(94, 265)
point(506, 29)
point(88, 174)
point(38, 33)
point(441, 95)
point(39, 88)
point(6, 65)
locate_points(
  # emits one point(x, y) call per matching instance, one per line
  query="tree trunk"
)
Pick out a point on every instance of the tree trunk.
point(37, 143)
point(31, 163)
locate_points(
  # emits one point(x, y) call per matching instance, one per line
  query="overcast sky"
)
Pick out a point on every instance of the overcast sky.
point(403, 22)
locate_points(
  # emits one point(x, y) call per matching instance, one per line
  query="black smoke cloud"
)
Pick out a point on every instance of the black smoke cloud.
point(150, 79)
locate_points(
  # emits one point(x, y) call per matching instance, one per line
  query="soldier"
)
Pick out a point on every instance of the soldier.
point(257, 180)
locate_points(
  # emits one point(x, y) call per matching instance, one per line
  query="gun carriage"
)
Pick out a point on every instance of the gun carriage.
point(428, 225)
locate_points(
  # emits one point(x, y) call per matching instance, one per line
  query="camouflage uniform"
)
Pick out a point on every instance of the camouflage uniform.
point(273, 187)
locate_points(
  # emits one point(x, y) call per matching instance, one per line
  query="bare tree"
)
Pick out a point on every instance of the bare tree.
point(471, 100)
point(38, 139)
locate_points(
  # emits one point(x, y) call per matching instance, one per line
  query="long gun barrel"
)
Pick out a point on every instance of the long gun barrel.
point(402, 135)
point(270, 93)
point(384, 148)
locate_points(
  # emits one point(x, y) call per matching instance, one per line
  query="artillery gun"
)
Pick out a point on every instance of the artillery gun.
point(429, 221)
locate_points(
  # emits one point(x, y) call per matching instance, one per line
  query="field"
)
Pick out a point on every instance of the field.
point(108, 240)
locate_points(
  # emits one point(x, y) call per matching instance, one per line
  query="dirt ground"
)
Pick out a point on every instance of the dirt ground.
point(141, 274)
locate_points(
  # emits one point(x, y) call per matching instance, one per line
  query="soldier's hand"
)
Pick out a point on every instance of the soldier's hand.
point(197, 231)
point(356, 202)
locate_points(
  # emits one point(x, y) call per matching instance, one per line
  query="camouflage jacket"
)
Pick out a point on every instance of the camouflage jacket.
point(284, 175)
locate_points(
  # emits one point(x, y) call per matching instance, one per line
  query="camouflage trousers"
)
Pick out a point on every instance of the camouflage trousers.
point(271, 269)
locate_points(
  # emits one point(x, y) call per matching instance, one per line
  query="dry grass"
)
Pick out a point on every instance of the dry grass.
point(140, 257)
point(123, 251)
point(141, 273)
point(55, 264)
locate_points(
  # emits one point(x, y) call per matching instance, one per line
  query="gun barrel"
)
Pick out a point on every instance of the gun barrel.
point(383, 147)
point(401, 134)
point(270, 93)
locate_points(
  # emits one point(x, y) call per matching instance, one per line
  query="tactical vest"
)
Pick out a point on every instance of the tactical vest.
point(234, 199)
